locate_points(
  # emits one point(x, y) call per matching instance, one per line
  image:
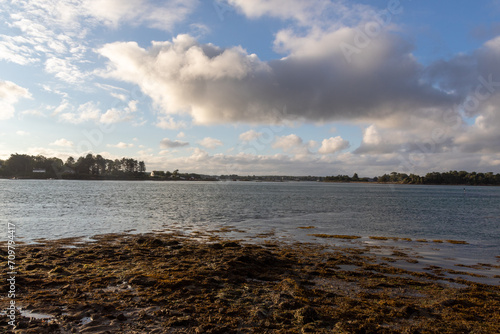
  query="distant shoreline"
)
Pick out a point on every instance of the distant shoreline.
point(255, 181)
point(97, 167)
point(414, 184)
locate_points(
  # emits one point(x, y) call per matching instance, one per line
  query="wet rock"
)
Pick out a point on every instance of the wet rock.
point(231, 244)
point(289, 286)
point(454, 302)
point(53, 326)
point(143, 280)
point(216, 246)
point(244, 259)
point(289, 305)
point(150, 242)
point(259, 313)
point(407, 311)
point(306, 315)
point(179, 321)
point(172, 243)
point(141, 240)
point(123, 257)
point(449, 302)
point(155, 243)
point(22, 324)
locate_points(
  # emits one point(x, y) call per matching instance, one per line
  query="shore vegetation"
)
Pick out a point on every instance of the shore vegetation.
point(97, 167)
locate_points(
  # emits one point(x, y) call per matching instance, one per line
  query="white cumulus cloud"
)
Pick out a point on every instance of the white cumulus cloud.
point(211, 143)
point(250, 135)
point(294, 144)
point(333, 145)
point(287, 143)
point(63, 142)
point(121, 145)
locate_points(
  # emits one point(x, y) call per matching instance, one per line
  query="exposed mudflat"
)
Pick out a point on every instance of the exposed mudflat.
point(165, 283)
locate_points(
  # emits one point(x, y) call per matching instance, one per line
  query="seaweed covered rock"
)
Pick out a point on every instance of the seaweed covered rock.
point(175, 284)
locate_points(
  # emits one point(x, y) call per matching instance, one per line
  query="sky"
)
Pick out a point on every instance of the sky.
point(261, 87)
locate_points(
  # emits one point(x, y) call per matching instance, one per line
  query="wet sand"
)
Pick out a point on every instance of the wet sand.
point(167, 283)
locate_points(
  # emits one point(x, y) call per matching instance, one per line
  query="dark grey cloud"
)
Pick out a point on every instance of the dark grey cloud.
point(168, 143)
point(474, 77)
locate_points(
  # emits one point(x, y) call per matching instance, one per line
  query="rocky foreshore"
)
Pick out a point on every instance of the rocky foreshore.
point(167, 283)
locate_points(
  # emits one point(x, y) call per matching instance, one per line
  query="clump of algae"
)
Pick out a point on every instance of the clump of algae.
point(336, 236)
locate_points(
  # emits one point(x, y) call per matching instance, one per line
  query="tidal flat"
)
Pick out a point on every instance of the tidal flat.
point(171, 283)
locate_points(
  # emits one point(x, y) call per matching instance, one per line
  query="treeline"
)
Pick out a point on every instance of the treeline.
point(176, 176)
point(451, 177)
point(347, 178)
point(85, 167)
point(448, 178)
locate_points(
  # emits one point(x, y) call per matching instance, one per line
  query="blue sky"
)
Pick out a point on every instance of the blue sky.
point(258, 87)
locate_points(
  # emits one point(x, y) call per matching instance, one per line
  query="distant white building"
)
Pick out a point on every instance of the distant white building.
point(39, 170)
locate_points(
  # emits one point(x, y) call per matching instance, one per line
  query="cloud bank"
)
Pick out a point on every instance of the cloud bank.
point(216, 86)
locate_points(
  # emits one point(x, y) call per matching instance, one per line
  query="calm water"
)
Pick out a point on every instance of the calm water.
point(54, 209)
